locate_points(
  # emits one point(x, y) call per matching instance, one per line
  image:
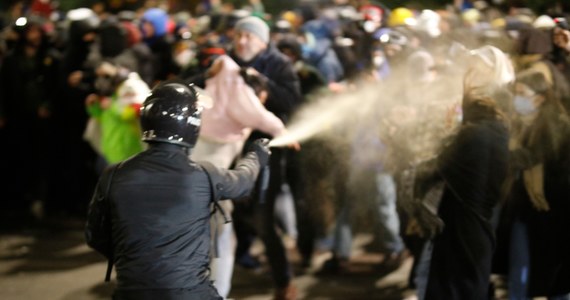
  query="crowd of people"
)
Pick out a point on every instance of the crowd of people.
point(445, 129)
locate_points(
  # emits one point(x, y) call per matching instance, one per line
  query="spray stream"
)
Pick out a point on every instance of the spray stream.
point(328, 112)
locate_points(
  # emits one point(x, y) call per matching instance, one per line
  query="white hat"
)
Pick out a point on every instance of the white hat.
point(544, 22)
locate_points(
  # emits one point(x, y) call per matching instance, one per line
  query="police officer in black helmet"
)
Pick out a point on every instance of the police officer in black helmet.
point(150, 214)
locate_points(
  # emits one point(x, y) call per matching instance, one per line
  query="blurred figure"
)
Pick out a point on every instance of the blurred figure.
point(472, 167)
point(77, 79)
point(259, 59)
point(561, 52)
point(237, 109)
point(206, 54)
point(370, 183)
point(252, 51)
point(562, 35)
point(369, 27)
point(317, 50)
point(311, 80)
point(28, 87)
point(113, 130)
point(305, 173)
point(534, 217)
point(533, 47)
point(135, 44)
point(154, 27)
point(113, 43)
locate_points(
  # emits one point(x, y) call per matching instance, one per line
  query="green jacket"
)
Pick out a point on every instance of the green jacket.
point(119, 128)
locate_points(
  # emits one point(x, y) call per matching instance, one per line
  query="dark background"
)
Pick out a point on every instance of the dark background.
point(275, 6)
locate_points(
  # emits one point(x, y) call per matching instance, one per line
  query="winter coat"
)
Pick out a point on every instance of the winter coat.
point(160, 205)
point(281, 78)
point(473, 166)
point(27, 83)
point(548, 235)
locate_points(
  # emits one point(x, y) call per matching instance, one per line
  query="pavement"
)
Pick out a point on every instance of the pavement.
point(50, 260)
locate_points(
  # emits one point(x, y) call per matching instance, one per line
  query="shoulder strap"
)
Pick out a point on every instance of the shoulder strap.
point(211, 170)
point(107, 191)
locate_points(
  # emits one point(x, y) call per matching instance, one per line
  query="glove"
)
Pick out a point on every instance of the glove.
point(430, 224)
point(261, 148)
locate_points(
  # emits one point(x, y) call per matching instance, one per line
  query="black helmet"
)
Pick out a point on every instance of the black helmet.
point(171, 114)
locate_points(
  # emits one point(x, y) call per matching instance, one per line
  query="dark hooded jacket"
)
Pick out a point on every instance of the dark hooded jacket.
point(28, 83)
point(70, 107)
point(473, 167)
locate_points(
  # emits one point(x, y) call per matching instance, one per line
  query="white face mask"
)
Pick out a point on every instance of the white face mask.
point(524, 105)
point(370, 26)
point(378, 60)
point(183, 58)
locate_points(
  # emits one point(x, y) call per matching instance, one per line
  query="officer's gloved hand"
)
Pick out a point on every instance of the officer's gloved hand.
point(261, 148)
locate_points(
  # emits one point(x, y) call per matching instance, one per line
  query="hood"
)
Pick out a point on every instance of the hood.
point(81, 22)
point(318, 28)
point(159, 20)
point(113, 38)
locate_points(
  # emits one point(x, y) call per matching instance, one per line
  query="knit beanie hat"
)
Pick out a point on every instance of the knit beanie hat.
point(255, 26)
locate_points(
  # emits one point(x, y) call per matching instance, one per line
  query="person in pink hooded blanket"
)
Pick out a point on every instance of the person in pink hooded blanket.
point(236, 109)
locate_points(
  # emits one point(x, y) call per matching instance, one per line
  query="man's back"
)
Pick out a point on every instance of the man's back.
point(160, 216)
point(149, 215)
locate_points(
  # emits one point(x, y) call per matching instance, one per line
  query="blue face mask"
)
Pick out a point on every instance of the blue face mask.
point(306, 51)
point(524, 105)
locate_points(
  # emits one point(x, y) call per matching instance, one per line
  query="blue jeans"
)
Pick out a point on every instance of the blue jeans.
point(422, 270)
point(519, 261)
point(519, 264)
point(342, 241)
point(388, 218)
point(388, 221)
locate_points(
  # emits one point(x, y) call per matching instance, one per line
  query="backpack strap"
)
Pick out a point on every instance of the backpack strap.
point(215, 185)
point(106, 198)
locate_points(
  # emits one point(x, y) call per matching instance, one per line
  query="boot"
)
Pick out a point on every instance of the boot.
point(288, 292)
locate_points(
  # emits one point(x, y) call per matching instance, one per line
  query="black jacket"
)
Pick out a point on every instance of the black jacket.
point(281, 78)
point(160, 205)
point(474, 167)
